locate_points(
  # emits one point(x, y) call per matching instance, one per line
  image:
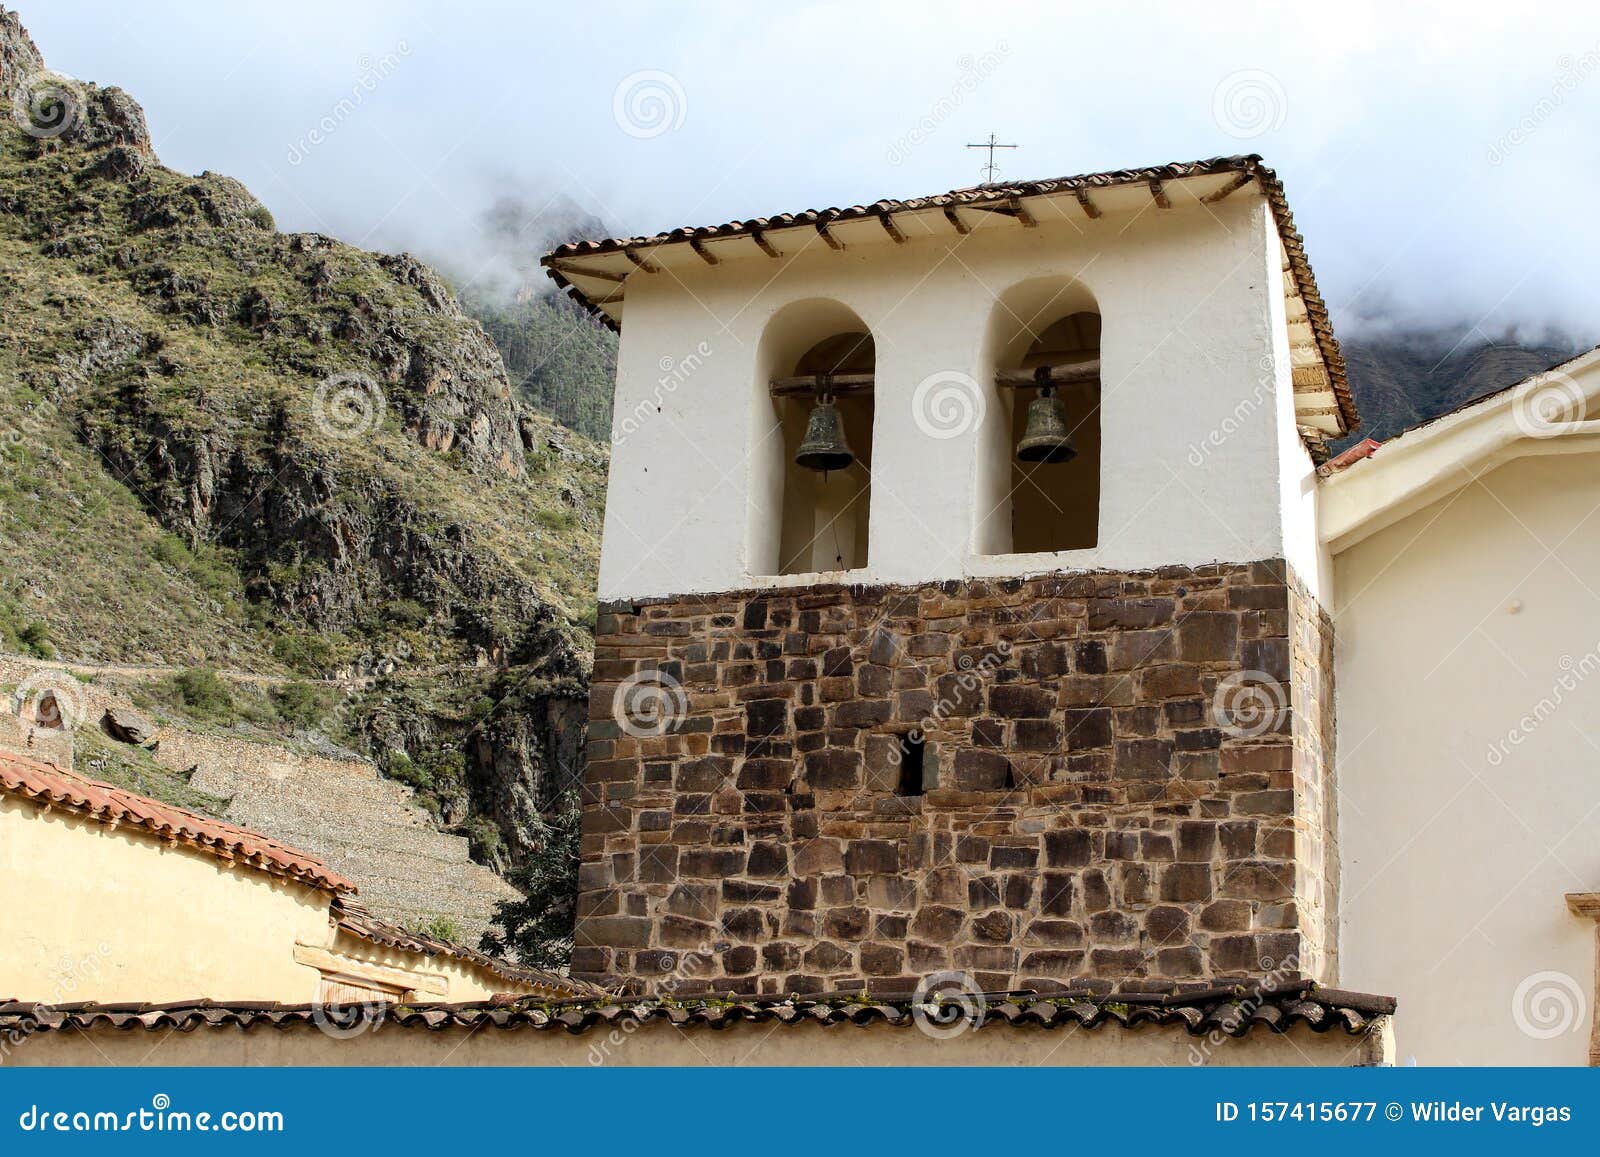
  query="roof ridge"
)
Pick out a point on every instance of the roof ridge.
point(353, 917)
point(109, 804)
point(1247, 165)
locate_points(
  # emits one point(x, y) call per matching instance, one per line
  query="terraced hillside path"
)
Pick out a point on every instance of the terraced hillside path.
point(246, 678)
point(360, 824)
point(337, 807)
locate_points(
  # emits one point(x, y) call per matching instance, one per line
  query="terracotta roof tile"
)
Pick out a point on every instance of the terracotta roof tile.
point(354, 919)
point(1232, 1010)
point(1250, 166)
point(1363, 449)
point(50, 787)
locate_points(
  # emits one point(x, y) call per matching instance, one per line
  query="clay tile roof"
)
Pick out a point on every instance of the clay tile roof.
point(49, 786)
point(354, 919)
point(1234, 1010)
point(1248, 168)
point(1362, 450)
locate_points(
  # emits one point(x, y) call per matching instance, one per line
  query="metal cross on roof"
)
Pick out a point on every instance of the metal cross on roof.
point(990, 170)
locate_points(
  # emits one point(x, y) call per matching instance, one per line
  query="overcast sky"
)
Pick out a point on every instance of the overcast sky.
point(1441, 160)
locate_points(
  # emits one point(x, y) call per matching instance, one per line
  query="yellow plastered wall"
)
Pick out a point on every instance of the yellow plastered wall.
point(441, 978)
point(88, 912)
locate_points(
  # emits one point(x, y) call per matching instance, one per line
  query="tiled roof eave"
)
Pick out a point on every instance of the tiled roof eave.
point(1251, 164)
point(49, 787)
point(1238, 1013)
point(356, 921)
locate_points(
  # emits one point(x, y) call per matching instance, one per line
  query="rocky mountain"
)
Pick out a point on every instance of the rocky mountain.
point(1408, 376)
point(226, 447)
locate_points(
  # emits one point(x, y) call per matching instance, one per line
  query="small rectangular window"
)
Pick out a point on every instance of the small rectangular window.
point(911, 765)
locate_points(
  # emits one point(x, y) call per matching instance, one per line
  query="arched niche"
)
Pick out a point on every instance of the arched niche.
point(805, 521)
point(1039, 508)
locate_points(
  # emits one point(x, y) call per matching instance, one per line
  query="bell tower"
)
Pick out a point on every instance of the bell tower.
point(961, 601)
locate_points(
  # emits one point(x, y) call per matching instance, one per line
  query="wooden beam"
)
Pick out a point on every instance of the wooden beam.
point(1020, 211)
point(388, 975)
point(887, 221)
point(954, 218)
point(808, 384)
point(1160, 195)
point(612, 300)
point(643, 263)
point(1090, 209)
point(760, 239)
point(698, 247)
point(833, 242)
point(1075, 374)
point(1239, 181)
point(598, 274)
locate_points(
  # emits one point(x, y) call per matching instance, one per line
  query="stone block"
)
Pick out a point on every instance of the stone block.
point(1019, 701)
point(834, 769)
point(1070, 848)
point(865, 857)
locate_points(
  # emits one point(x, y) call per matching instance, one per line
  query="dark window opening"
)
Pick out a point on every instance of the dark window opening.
point(911, 783)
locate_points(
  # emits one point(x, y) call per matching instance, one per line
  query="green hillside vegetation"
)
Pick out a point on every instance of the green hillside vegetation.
point(559, 359)
point(182, 485)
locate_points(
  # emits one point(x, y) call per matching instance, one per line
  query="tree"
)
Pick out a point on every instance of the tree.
point(537, 929)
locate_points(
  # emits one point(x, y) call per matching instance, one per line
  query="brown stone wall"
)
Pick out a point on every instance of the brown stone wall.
point(1099, 810)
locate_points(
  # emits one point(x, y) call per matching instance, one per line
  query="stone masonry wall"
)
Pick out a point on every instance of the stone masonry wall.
point(1111, 790)
point(1316, 799)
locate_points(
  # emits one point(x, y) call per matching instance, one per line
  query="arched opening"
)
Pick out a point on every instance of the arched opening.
point(1047, 357)
point(823, 514)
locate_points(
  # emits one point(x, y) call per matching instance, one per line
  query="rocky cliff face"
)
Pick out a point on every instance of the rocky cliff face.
point(1404, 378)
point(230, 446)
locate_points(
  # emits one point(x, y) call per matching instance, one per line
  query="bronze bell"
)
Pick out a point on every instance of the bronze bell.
point(1046, 438)
point(824, 447)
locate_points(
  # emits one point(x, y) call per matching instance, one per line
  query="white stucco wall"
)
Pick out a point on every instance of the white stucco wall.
point(1191, 307)
point(1457, 626)
point(1297, 473)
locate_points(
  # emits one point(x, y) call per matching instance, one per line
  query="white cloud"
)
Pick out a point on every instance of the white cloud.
point(1391, 113)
